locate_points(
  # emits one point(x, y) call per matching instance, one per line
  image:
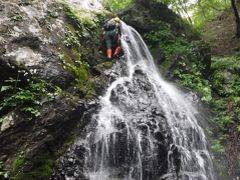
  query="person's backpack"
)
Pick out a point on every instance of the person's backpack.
point(110, 25)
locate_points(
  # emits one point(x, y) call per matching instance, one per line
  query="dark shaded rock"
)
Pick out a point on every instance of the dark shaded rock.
point(72, 164)
point(160, 57)
point(175, 65)
point(144, 14)
point(53, 125)
point(148, 124)
point(204, 57)
point(175, 156)
point(29, 40)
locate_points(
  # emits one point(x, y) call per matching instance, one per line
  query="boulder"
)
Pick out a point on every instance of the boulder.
point(29, 41)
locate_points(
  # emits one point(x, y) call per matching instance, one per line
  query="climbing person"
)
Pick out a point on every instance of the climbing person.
point(111, 37)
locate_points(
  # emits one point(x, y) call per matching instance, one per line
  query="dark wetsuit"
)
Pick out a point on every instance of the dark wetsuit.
point(112, 34)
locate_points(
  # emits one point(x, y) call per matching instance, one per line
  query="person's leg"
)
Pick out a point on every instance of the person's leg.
point(109, 53)
point(118, 48)
point(108, 45)
point(117, 51)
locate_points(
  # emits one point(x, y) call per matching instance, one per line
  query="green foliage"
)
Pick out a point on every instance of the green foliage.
point(168, 42)
point(18, 164)
point(178, 45)
point(84, 83)
point(207, 10)
point(82, 33)
point(116, 5)
point(163, 34)
point(226, 84)
point(27, 99)
point(2, 172)
point(45, 165)
point(198, 12)
point(194, 80)
point(228, 62)
point(71, 40)
point(105, 65)
point(217, 147)
point(43, 169)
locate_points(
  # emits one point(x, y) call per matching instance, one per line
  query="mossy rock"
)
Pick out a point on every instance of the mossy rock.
point(104, 65)
point(42, 168)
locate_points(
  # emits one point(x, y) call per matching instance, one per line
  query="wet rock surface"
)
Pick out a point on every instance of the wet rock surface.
point(137, 101)
point(32, 35)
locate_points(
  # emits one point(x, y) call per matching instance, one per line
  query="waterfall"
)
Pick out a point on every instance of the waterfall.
point(125, 143)
point(145, 129)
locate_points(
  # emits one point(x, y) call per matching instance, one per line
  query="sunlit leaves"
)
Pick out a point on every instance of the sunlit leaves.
point(116, 5)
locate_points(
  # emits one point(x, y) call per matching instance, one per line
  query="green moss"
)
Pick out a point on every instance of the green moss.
point(81, 17)
point(84, 29)
point(42, 169)
point(108, 64)
point(105, 65)
point(217, 147)
point(17, 165)
point(84, 83)
point(71, 39)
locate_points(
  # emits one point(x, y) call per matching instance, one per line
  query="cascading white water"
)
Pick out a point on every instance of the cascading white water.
point(137, 109)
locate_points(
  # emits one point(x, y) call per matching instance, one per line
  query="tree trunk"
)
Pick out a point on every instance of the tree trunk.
point(202, 9)
point(237, 18)
point(185, 11)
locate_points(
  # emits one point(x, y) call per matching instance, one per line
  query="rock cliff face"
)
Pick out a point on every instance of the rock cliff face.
point(47, 56)
point(30, 36)
point(149, 119)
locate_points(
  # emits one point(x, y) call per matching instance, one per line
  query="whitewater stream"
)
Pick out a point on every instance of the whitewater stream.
point(145, 129)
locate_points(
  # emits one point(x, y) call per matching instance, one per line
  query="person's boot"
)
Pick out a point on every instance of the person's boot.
point(117, 51)
point(109, 53)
